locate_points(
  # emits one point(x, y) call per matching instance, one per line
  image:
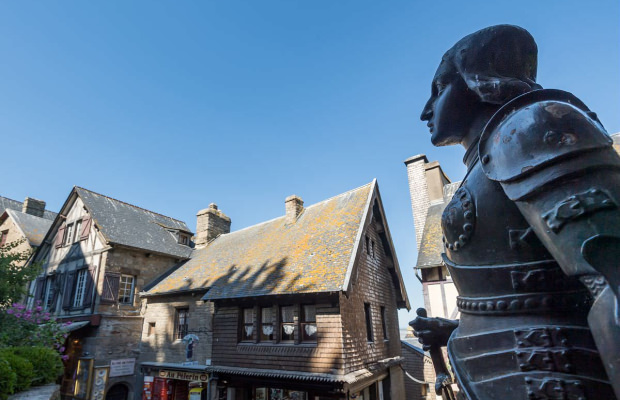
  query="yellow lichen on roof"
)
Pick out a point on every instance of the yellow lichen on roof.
point(275, 257)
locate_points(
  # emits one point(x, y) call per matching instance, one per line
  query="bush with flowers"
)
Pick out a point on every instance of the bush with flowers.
point(31, 345)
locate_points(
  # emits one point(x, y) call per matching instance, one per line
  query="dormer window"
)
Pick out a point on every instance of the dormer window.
point(183, 239)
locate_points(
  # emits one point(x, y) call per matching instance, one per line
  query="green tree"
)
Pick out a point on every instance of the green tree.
point(14, 276)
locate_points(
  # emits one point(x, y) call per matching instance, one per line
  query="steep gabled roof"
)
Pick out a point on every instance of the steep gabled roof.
point(34, 228)
point(312, 255)
point(129, 225)
point(10, 204)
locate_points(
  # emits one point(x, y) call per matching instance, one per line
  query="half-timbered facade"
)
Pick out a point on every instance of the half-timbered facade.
point(300, 307)
point(96, 257)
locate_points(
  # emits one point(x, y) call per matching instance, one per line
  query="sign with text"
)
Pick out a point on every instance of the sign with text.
point(183, 375)
point(122, 367)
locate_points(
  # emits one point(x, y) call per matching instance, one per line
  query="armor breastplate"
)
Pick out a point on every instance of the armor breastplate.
point(523, 332)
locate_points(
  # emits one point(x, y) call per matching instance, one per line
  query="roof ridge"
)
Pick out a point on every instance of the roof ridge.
point(283, 216)
point(129, 204)
point(8, 198)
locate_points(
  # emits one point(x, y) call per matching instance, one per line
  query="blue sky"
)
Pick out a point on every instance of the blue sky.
point(174, 105)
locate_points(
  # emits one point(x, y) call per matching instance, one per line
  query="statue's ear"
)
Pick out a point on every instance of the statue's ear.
point(498, 90)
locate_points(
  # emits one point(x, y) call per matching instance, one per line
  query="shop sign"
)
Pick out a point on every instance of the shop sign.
point(183, 375)
point(122, 367)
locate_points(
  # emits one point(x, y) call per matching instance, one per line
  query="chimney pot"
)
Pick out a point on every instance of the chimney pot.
point(210, 223)
point(294, 206)
point(33, 207)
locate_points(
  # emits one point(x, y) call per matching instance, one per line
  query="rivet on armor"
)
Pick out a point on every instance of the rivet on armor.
point(485, 159)
point(502, 305)
point(468, 215)
point(482, 306)
point(467, 305)
point(474, 306)
point(490, 305)
point(468, 227)
point(466, 203)
point(462, 238)
point(514, 305)
point(456, 245)
point(531, 303)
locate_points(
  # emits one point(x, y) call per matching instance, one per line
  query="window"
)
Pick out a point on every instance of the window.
point(3, 237)
point(125, 289)
point(181, 323)
point(80, 286)
point(370, 247)
point(151, 330)
point(383, 325)
point(50, 293)
point(308, 323)
point(287, 324)
point(68, 239)
point(184, 239)
point(247, 327)
point(368, 322)
point(266, 322)
point(77, 230)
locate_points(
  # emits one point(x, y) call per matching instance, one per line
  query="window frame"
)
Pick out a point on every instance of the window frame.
point(283, 323)
point(124, 288)
point(50, 292)
point(384, 324)
point(304, 321)
point(181, 330)
point(368, 318)
point(244, 324)
point(80, 288)
point(68, 235)
point(3, 237)
point(262, 337)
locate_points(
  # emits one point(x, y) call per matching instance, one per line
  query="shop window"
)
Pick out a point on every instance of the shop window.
point(266, 323)
point(247, 327)
point(368, 322)
point(181, 326)
point(287, 324)
point(125, 290)
point(308, 323)
point(383, 324)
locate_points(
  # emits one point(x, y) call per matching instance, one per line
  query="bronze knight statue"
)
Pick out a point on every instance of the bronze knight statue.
point(532, 236)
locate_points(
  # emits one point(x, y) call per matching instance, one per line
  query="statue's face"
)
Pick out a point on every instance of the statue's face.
point(451, 109)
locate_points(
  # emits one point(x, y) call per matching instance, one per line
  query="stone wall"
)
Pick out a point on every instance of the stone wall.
point(14, 234)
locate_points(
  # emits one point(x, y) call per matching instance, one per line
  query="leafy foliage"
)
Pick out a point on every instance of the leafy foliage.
point(13, 275)
point(46, 362)
point(8, 377)
point(22, 367)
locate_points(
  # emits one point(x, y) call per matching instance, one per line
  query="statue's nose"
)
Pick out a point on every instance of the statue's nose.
point(427, 112)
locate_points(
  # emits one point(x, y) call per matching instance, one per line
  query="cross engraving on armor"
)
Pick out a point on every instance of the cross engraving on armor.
point(576, 206)
point(545, 360)
point(554, 389)
point(541, 337)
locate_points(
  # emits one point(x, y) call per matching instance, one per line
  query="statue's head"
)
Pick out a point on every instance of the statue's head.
point(479, 73)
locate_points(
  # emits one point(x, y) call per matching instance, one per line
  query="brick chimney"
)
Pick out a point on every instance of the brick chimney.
point(426, 182)
point(33, 207)
point(210, 224)
point(294, 207)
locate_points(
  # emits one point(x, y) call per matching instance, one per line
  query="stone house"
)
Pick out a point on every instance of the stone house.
point(27, 222)
point(300, 307)
point(97, 255)
point(419, 371)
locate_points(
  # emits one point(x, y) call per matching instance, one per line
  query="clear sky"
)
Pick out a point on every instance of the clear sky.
point(173, 105)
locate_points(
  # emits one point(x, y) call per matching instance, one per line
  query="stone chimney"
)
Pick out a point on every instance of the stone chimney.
point(294, 207)
point(210, 224)
point(426, 182)
point(33, 207)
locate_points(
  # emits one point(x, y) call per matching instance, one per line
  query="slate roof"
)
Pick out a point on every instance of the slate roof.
point(616, 139)
point(414, 344)
point(431, 245)
point(10, 204)
point(311, 255)
point(128, 225)
point(34, 228)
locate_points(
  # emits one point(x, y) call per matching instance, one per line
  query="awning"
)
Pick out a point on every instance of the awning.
point(74, 326)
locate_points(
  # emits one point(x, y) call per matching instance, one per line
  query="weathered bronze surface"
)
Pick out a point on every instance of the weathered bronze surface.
point(532, 236)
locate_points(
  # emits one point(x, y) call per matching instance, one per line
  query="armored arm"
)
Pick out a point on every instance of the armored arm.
point(554, 159)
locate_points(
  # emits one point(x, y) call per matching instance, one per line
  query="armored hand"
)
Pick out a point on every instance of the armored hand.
point(432, 332)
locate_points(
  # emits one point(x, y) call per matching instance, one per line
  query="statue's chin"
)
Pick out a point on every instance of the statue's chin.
point(438, 140)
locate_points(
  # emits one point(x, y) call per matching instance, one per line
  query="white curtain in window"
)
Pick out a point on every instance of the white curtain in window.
point(287, 314)
point(288, 329)
point(267, 330)
point(310, 329)
point(248, 330)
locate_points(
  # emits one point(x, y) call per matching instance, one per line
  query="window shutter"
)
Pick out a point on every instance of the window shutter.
point(110, 287)
point(57, 282)
point(86, 221)
point(59, 236)
point(68, 291)
point(88, 289)
point(38, 288)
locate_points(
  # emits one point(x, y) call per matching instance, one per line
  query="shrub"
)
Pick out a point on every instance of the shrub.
point(23, 369)
point(46, 362)
point(7, 380)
